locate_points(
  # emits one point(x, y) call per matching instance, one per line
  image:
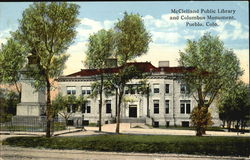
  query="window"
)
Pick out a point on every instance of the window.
point(70, 123)
point(167, 106)
point(156, 124)
point(86, 90)
point(188, 108)
point(72, 108)
point(156, 106)
point(86, 108)
point(182, 108)
point(185, 124)
point(126, 90)
point(166, 88)
point(108, 106)
point(185, 106)
point(130, 89)
point(167, 123)
point(71, 90)
point(83, 108)
point(184, 89)
point(156, 88)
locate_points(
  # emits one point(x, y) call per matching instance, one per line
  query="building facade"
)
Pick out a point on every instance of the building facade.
point(167, 104)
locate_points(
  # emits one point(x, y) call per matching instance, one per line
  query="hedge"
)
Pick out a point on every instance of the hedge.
point(219, 146)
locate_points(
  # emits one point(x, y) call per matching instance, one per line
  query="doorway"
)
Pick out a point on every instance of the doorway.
point(133, 111)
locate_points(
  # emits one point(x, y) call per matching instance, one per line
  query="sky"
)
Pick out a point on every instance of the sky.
point(169, 35)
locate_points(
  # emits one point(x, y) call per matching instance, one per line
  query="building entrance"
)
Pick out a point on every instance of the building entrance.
point(133, 111)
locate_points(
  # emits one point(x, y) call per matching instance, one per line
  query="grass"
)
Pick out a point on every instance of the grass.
point(226, 146)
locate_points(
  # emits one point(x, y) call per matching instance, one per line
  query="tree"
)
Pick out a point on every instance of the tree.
point(119, 81)
point(234, 105)
point(8, 103)
point(100, 49)
point(46, 30)
point(12, 60)
point(65, 106)
point(216, 68)
point(132, 40)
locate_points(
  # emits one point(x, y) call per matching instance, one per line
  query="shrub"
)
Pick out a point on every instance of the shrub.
point(227, 146)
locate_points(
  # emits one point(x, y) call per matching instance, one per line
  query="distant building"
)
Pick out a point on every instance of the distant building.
point(168, 103)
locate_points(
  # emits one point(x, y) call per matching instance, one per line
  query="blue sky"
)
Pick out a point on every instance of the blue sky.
point(169, 36)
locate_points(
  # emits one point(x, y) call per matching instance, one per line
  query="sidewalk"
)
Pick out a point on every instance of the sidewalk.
point(6, 134)
point(124, 128)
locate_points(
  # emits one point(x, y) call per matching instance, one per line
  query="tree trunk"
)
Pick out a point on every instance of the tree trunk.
point(116, 104)
point(19, 92)
point(199, 125)
point(48, 110)
point(119, 113)
point(100, 105)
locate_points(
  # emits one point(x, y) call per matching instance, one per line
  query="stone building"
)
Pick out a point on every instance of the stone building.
point(167, 104)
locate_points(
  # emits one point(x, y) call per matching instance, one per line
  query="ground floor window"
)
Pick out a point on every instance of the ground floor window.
point(108, 106)
point(185, 106)
point(72, 108)
point(156, 106)
point(86, 108)
point(166, 106)
point(167, 123)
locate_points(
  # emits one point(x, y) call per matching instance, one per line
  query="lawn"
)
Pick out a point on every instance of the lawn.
point(226, 146)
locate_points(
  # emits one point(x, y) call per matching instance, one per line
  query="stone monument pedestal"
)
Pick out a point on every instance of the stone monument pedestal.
point(31, 110)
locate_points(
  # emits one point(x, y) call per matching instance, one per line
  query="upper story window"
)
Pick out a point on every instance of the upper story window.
point(184, 89)
point(185, 106)
point(156, 106)
point(71, 90)
point(86, 90)
point(130, 89)
point(156, 88)
point(166, 88)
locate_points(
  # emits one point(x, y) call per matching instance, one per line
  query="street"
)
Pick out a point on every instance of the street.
point(18, 153)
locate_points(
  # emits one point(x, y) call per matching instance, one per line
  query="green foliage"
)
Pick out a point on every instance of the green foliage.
point(61, 105)
point(100, 48)
point(223, 146)
point(215, 69)
point(8, 103)
point(132, 38)
point(46, 30)
point(12, 60)
point(234, 103)
point(200, 119)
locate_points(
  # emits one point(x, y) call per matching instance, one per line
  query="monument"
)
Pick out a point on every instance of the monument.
point(31, 110)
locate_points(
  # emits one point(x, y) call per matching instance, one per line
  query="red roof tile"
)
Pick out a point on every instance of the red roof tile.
point(142, 66)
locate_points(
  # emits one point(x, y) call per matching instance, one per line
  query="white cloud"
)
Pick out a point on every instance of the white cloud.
point(89, 26)
point(165, 37)
point(4, 35)
point(158, 53)
point(77, 56)
point(236, 32)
